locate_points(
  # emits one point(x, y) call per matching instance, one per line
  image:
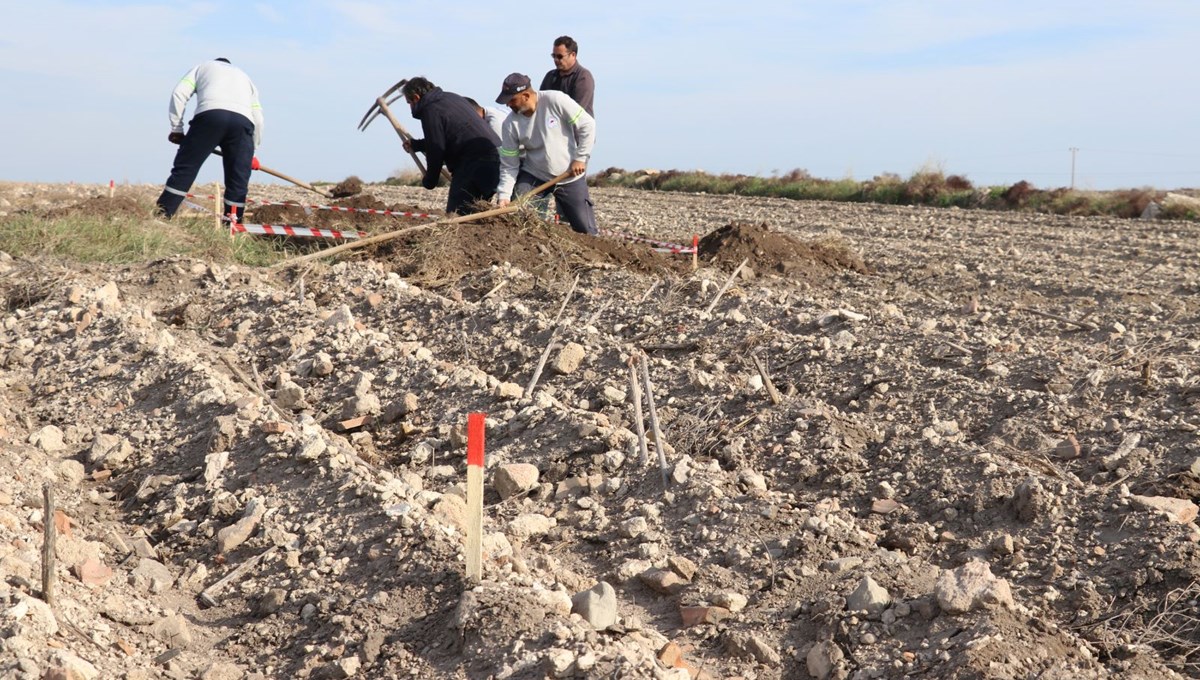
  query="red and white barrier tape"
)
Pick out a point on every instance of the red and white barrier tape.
point(336, 208)
point(661, 246)
point(293, 230)
point(281, 229)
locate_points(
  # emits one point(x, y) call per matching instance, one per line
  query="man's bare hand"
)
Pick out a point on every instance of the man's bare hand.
point(503, 202)
point(407, 146)
point(578, 168)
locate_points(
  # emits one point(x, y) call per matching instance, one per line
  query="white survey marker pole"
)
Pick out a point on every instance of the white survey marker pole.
point(475, 429)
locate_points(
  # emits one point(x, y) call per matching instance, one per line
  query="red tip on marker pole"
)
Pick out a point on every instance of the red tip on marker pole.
point(475, 429)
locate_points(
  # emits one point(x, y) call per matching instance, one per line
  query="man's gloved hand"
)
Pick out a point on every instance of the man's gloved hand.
point(254, 163)
point(175, 138)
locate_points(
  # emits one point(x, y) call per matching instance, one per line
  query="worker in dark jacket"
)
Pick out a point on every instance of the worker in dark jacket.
point(456, 136)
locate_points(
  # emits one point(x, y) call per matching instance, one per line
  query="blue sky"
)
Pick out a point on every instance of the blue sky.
point(995, 90)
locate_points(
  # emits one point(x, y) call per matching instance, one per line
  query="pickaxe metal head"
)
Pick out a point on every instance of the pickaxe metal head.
point(375, 109)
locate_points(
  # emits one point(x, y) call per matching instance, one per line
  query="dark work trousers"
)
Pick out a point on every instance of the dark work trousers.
point(571, 200)
point(474, 180)
point(234, 133)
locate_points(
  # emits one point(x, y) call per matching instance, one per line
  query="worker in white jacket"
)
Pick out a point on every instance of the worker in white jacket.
point(546, 134)
point(227, 115)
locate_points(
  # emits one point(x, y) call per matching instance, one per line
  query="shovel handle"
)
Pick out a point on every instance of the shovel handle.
point(280, 175)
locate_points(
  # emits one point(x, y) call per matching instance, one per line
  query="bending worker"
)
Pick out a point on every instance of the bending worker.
point(556, 135)
point(457, 136)
point(227, 115)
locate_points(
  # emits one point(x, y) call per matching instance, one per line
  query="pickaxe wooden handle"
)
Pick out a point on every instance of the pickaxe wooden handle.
point(383, 106)
point(280, 175)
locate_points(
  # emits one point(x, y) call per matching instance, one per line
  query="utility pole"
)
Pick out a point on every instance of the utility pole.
point(1074, 150)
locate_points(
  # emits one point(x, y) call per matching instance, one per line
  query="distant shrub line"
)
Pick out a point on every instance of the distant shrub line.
point(932, 188)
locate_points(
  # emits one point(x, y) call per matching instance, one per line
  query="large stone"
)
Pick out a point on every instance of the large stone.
point(823, 658)
point(34, 613)
point(93, 572)
point(663, 581)
point(71, 472)
point(507, 390)
point(452, 510)
point(529, 525)
point(1176, 509)
point(971, 586)
point(74, 667)
point(109, 450)
point(151, 575)
point(172, 630)
point(870, 597)
point(48, 439)
point(236, 534)
point(750, 646)
point(568, 359)
point(597, 605)
point(514, 479)
point(289, 395)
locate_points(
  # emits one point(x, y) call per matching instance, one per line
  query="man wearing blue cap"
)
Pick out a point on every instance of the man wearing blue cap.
point(556, 135)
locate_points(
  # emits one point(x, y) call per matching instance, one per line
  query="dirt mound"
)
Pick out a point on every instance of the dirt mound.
point(770, 250)
point(348, 187)
point(447, 254)
point(102, 206)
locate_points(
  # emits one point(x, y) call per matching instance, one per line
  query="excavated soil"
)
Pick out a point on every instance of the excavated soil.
point(939, 443)
point(770, 250)
point(347, 187)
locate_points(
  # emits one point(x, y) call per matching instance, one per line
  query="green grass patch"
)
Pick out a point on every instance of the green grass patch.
point(125, 238)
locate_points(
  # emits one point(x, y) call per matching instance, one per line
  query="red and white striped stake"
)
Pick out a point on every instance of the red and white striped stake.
point(112, 187)
point(475, 430)
point(695, 252)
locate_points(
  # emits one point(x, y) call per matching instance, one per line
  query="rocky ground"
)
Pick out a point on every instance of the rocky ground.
point(983, 462)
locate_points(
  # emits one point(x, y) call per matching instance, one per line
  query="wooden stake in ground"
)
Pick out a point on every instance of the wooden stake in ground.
point(511, 207)
point(766, 378)
point(695, 252)
point(217, 204)
point(49, 539)
point(635, 393)
point(658, 435)
point(728, 283)
point(475, 436)
point(537, 372)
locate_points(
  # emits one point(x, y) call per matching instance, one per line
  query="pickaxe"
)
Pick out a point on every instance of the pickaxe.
point(255, 165)
point(381, 106)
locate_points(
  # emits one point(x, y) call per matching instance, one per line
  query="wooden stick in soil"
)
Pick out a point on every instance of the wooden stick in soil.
point(391, 235)
point(217, 204)
point(635, 392)
point(49, 539)
point(1086, 325)
point(766, 378)
point(728, 283)
point(208, 597)
point(537, 372)
point(658, 435)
